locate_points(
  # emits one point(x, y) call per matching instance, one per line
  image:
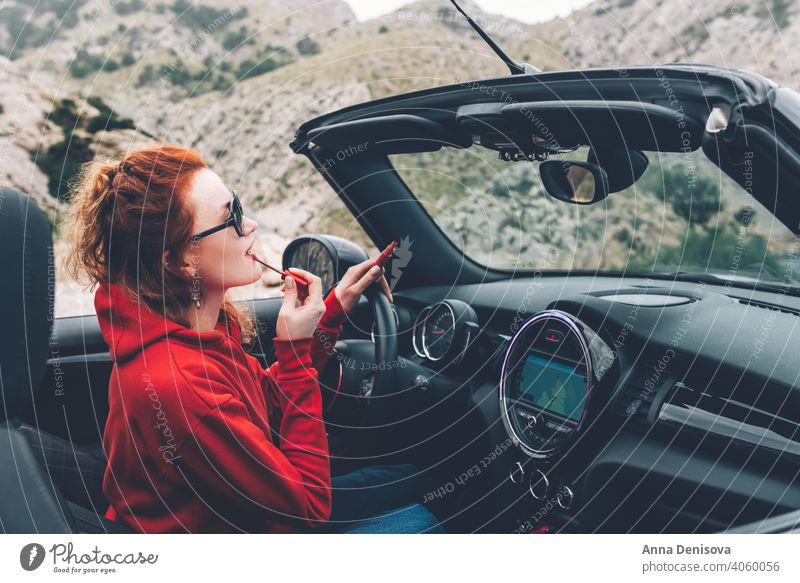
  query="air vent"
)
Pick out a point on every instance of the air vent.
point(637, 397)
point(498, 346)
point(766, 306)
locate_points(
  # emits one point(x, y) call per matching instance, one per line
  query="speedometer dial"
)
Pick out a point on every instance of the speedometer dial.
point(438, 331)
point(444, 332)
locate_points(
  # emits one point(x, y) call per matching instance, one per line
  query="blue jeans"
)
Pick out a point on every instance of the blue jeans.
point(380, 500)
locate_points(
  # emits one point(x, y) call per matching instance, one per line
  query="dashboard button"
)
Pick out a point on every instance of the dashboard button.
point(517, 473)
point(565, 497)
point(557, 427)
point(528, 419)
point(538, 485)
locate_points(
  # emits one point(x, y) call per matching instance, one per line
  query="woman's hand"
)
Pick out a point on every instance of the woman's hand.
point(356, 280)
point(299, 316)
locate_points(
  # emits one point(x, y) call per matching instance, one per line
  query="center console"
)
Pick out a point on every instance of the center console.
point(552, 365)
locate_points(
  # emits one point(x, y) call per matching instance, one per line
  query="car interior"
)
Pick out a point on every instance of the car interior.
point(535, 398)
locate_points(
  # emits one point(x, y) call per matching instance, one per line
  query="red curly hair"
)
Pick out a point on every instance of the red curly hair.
point(124, 215)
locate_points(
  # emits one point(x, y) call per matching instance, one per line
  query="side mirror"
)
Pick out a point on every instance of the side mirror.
point(573, 181)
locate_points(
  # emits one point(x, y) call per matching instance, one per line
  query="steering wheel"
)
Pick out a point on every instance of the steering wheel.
point(358, 371)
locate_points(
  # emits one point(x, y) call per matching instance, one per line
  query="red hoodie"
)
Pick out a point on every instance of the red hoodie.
point(188, 433)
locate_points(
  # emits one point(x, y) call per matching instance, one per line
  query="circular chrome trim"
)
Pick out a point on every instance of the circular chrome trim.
point(516, 469)
point(542, 479)
point(425, 324)
point(418, 351)
point(569, 493)
point(545, 315)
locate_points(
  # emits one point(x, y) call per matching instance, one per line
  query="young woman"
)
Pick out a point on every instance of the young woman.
point(199, 437)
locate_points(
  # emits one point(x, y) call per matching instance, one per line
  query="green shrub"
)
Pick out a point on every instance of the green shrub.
point(65, 114)
point(198, 15)
point(250, 68)
point(123, 7)
point(62, 162)
point(778, 11)
point(84, 64)
point(307, 46)
point(222, 83)
point(109, 121)
point(723, 249)
point(694, 198)
point(110, 65)
point(147, 75)
point(234, 39)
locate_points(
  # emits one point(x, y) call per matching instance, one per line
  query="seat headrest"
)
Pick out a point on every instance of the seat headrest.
point(27, 296)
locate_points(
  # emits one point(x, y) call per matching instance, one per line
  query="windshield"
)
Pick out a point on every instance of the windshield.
point(683, 215)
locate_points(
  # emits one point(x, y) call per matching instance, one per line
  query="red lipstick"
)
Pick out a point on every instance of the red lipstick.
point(385, 254)
point(297, 278)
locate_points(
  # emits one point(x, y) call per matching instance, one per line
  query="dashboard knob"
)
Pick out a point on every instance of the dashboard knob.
point(517, 473)
point(421, 382)
point(538, 484)
point(565, 497)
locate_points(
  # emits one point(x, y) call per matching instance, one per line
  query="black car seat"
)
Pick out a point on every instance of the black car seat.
point(48, 485)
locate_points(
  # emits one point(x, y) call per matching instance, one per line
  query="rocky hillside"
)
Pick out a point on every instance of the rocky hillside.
point(44, 138)
point(759, 35)
point(234, 78)
point(23, 132)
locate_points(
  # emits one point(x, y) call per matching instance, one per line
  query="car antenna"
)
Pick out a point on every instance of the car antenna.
point(516, 68)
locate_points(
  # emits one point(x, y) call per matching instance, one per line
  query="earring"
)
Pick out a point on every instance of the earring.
point(196, 298)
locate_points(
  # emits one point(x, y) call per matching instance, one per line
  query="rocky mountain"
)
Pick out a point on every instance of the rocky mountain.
point(23, 132)
point(234, 78)
point(757, 35)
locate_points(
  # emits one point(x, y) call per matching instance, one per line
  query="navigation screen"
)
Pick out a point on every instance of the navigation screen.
point(553, 386)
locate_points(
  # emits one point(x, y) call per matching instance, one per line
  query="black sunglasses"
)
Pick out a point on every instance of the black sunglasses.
point(235, 220)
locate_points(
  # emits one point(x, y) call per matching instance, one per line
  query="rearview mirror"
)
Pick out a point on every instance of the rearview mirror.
point(623, 167)
point(573, 181)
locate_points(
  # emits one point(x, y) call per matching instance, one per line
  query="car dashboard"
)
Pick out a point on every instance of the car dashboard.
point(613, 405)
